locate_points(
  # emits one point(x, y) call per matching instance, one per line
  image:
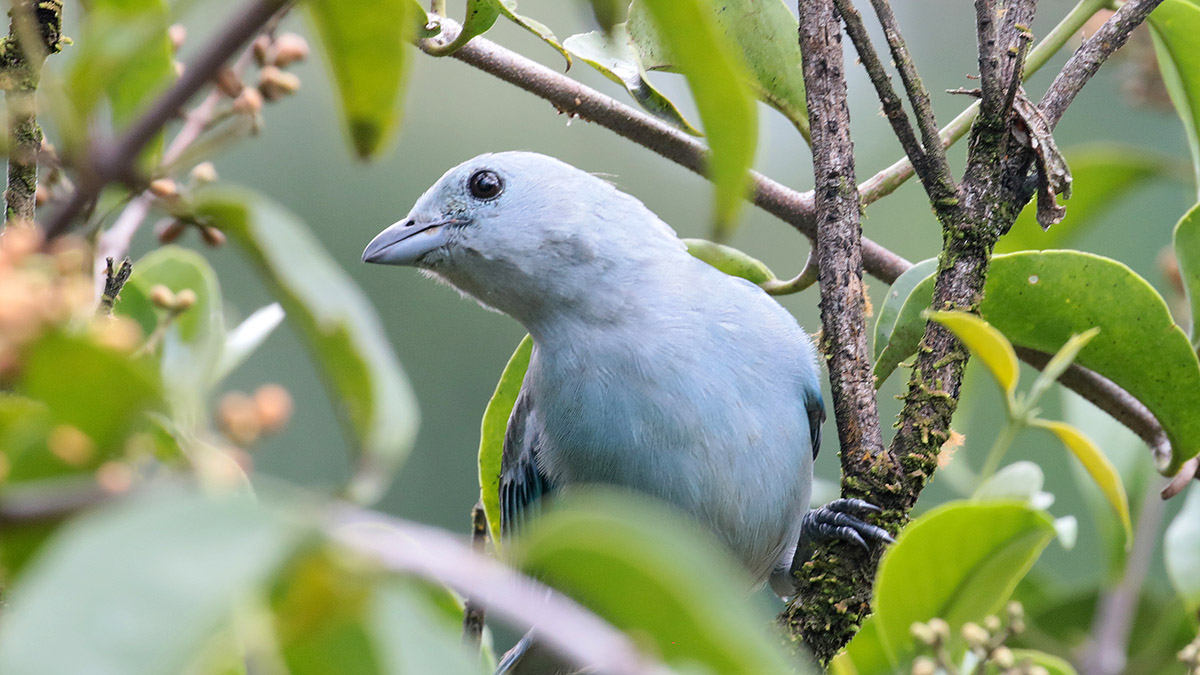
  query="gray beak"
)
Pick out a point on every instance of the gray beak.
point(405, 242)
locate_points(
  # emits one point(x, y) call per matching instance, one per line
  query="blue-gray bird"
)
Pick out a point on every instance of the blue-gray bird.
point(651, 370)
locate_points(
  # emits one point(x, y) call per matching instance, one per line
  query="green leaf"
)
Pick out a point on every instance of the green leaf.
point(101, 392)
point(141, 586)
point(620, 556)
point(1053, 664)
point(1181, 551)
point(320, 610)
point(986, 343)
point(616, 59)
point(889, 311)
point(1187, 251)
point(765, 33)
point(1102, 175)
point(366, 384)
point(1019, 480)
point(1058, 363)
point(24, 427)
point(481, 16)
point(865, 655)
point(366, 45)
point(1098, 467)
point(730, 260)
point(509, 9)
point(959, 562)
point(1174, 25)
point(193, 342)
point(718, 78)
point(493, 429)
point(1040, 299)
point(413, 636)
point(123, 54)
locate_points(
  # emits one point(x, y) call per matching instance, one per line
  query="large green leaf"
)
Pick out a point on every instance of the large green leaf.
point(959, 562)
point(614, 56)
point(1181, 551)
point(897, 295)
point(718, 77)
point(140, 587)
point(366, 384)
point(413, 635)
point(764, 31)
point(493, 429)
point(621, 556)
point(101, 392)
point(1175, 25)
point(366, 45)
point(1040, 299)
point(193, 342)
point(332, 615)
point(1102, 174)
point(1187, 252)
point(509, 9)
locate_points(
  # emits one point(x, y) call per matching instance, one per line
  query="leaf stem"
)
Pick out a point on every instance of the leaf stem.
point(999, 448)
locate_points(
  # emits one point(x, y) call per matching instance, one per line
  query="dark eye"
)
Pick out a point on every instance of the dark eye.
point(485, 184)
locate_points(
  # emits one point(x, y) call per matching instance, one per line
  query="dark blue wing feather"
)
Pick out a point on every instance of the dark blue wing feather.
point(522, 483)
point(816, 417)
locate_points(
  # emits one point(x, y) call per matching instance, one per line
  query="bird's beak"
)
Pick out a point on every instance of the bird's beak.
point(405, 242)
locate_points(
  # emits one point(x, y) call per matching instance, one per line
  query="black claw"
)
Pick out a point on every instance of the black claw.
point(852, 506)
point(837, 520)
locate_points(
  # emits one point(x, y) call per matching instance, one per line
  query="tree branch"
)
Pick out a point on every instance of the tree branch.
point(827, 610)
point(577, 100)
point(35, 31)
point(116, 161)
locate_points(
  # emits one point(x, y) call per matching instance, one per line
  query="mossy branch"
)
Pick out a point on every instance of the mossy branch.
point(34, 32)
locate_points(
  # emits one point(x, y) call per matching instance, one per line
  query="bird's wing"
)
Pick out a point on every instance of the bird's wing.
point(522, 482)
point(816, 417)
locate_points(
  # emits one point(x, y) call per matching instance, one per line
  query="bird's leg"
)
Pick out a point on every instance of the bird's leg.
point(839, 519)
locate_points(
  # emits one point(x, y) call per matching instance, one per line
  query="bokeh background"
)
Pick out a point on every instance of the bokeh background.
point(453, 350)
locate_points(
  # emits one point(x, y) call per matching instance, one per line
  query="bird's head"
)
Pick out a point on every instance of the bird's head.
point(525, 234)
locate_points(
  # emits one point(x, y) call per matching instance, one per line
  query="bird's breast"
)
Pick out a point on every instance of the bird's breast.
point(719, 438)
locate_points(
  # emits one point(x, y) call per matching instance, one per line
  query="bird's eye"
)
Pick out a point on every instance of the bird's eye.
point(485, 184)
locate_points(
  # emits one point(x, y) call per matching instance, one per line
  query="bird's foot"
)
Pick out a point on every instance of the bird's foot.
point(841, 519)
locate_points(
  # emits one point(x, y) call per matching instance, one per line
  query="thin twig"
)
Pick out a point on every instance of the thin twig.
point(114, 281)
point(893, 108)
point(941, 178)
point(1084, 63)
point(888, 180)
point(116, 162)
point(1106, 651)
point(473, 612)
point(409, 548)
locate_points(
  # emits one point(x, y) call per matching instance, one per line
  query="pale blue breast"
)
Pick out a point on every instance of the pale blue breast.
point(700, 404)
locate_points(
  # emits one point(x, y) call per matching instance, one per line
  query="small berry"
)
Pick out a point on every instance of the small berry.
point(288, 49)
point(212, 236)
